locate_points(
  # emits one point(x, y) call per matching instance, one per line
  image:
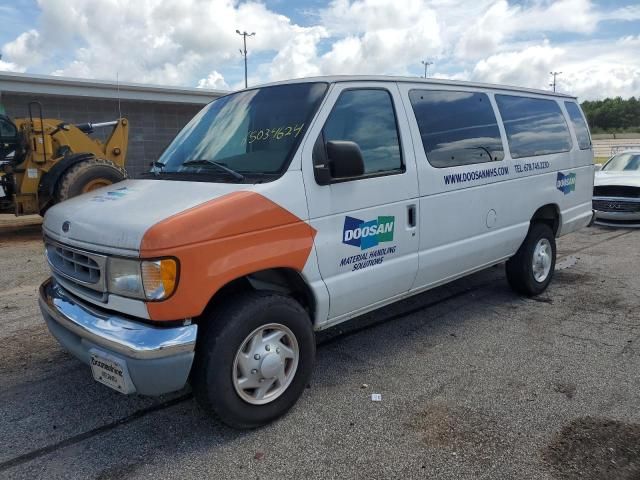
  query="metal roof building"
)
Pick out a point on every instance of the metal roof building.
point(156, 113)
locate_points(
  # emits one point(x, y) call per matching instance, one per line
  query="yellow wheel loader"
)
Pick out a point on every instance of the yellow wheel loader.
point(44, 161)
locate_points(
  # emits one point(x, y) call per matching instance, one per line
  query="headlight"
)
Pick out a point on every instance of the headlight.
point(125, 278)
point(146, 279)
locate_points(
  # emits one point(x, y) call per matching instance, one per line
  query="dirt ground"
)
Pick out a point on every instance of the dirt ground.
point(476, 382)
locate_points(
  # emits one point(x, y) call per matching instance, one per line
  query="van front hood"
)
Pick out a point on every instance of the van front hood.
point(114, 219)
point(630, 179)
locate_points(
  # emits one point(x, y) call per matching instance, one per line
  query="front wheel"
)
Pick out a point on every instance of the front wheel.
point(254, 359)
point(530, 270)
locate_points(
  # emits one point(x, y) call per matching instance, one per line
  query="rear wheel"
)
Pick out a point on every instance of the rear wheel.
point(530, 270)
point(254, 358)
point(87, 176)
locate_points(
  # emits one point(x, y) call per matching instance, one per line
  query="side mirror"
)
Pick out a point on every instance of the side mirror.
point(345, 159)
point(597, 166)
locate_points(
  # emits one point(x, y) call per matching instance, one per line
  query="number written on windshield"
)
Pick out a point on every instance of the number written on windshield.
point(275, 133)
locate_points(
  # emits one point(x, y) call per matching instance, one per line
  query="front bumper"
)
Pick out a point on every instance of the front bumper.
point(158, 360)
point(617, 211)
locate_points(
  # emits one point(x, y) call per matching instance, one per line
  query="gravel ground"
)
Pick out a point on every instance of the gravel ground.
point(476, 382)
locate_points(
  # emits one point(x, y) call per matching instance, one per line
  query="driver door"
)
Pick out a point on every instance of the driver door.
point(367, 236)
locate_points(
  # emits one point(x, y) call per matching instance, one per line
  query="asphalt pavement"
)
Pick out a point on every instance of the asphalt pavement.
point(476, 382)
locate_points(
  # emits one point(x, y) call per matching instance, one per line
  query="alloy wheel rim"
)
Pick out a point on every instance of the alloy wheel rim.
point(541, 262)
point(265, 364)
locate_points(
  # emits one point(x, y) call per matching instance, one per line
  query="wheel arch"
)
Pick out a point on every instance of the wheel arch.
point(549, 214)
point(280, 279)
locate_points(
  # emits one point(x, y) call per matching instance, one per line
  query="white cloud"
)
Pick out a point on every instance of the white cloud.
point(193, 42)
point(503, 21)
point(299, 57)
point(529, 67)
point(589, 70)
point(214, 80)
point(379, 36)
point(155, 41)
point(10, 67)
point(25, 50)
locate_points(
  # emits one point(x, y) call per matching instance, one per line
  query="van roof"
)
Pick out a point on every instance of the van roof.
point(427, 81)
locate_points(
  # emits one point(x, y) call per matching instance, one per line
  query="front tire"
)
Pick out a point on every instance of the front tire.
point(530, 270)
point(254, 358)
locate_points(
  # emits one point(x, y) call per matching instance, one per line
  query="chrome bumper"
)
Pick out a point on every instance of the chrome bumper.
point(158, 359)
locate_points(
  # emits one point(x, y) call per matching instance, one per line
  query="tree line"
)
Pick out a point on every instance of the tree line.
point(613, 115)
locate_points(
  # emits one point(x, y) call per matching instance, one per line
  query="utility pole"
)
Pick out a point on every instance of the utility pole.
point(553, 84)
point(426, 67)
point(244, 36)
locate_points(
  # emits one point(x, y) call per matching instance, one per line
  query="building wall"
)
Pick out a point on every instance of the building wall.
point(151, 125)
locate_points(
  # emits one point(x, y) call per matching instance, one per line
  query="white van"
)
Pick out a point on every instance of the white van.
point(285, 209)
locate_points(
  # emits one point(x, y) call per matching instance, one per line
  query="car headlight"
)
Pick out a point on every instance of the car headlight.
point(143, 279)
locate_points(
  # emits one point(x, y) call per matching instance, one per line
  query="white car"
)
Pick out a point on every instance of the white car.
point(282, 210)
point(616, 191)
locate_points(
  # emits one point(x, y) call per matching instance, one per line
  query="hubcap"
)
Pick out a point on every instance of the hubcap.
point(265, 364)
point(542, 260)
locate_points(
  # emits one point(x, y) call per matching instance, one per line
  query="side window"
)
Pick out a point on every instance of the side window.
point(457, 128)
point(7, 128)
point(534, 126)
point(579, 125)
point(367, 118)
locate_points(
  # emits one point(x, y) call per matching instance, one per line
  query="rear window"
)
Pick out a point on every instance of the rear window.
point(534, 126)
point(457, 128)
point(579, 125)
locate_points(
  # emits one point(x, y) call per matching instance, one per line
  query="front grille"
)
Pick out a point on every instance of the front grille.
point(615, 205)
point(84, 270)
point(616, 191)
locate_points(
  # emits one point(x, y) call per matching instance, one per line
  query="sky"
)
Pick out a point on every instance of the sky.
point(596, 45)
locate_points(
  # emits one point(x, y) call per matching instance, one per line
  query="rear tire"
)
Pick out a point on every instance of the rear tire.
point(530, 270)
point(229, 362)
point(86, 176)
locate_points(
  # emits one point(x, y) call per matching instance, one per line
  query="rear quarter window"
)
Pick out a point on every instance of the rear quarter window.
point(534, 126)
point(456, 128)
point(579, 125)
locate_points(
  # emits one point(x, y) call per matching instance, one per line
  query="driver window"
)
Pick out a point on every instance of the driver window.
point(367, 118)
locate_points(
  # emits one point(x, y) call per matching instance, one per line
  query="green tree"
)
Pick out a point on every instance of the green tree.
point(613, 114)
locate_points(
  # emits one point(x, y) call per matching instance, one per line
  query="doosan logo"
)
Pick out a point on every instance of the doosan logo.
point(368, 234)
point(566, 183)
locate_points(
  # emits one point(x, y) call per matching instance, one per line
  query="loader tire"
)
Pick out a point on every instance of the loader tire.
point(86, 176)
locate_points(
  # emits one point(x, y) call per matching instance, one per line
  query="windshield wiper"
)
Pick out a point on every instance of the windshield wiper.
point(205, 161)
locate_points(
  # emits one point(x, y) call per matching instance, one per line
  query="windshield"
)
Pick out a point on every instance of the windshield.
point(253, 132)
point(628, 162)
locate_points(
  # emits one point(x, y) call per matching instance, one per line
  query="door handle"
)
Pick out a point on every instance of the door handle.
point(411, 216)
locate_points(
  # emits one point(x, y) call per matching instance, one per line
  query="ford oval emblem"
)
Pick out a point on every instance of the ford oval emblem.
point(65, 226)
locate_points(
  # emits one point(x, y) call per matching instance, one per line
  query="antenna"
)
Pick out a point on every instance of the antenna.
point(118, 90)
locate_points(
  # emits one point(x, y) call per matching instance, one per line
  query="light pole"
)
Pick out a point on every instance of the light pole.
point(244, 36)
point(426, 67)
point(553, 84)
